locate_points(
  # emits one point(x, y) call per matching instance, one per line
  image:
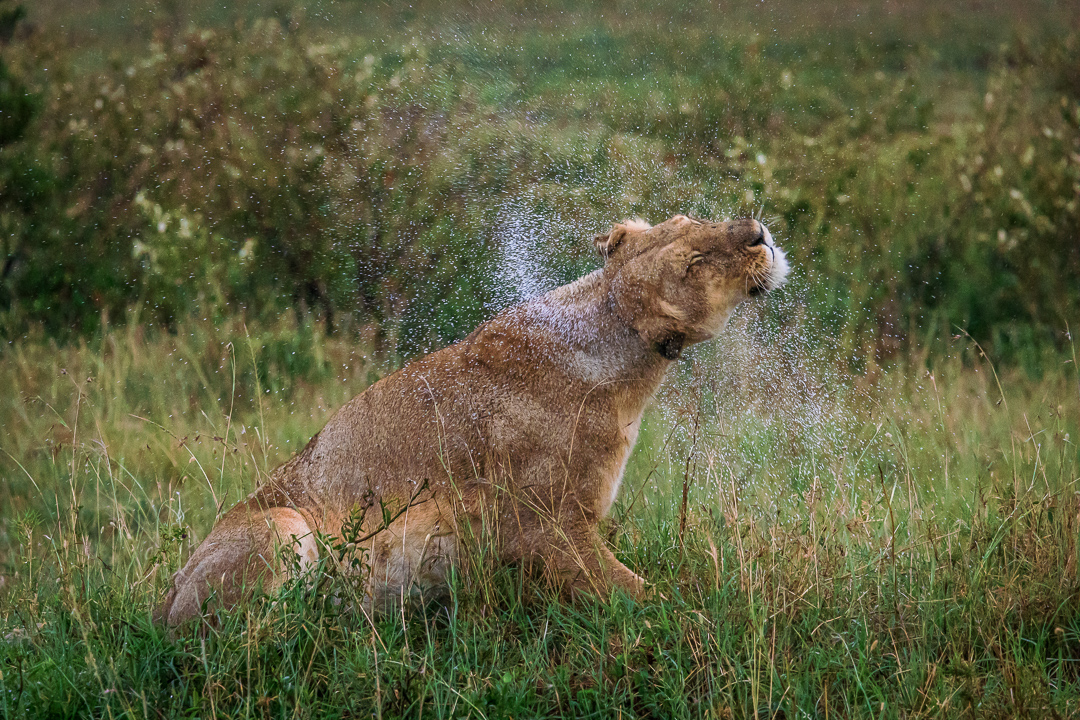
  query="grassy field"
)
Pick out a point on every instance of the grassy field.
point(880, 517)
point(903, 545)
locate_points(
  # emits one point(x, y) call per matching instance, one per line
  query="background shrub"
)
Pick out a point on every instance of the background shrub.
point(379, 183)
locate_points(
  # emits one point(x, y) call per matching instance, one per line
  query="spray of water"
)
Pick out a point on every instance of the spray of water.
point(770, 406)
point(530, 251)
point(521, 270)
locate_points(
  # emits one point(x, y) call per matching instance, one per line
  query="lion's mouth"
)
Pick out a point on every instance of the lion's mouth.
point(771, 278)
point(775, 274)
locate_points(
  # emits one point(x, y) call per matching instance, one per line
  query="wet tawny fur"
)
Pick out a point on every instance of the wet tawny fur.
point(518, 434)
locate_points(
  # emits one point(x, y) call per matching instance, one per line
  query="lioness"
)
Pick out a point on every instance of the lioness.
point(519, 433)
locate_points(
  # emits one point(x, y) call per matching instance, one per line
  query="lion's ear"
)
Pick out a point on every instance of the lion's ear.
point(606, 243)
point(609, 243)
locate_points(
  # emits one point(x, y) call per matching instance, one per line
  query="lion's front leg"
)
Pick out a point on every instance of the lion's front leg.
point(572, 552)
point(584, 563)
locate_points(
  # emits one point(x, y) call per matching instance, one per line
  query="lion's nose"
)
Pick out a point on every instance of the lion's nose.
point(758, 238)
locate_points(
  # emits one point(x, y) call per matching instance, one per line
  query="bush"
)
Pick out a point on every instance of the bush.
point(380, 185)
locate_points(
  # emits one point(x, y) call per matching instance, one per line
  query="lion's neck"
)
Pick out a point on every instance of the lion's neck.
point(592, 343)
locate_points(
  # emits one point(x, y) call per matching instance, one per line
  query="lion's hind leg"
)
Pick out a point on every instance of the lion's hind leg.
point(242, 553)
point(412, 556)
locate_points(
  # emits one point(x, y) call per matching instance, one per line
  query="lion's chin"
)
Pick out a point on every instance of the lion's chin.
point(713, 329)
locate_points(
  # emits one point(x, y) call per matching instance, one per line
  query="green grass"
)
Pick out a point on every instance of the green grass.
point(879, 521)
point(892, 546)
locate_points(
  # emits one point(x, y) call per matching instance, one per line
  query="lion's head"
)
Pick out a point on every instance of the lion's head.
point(677, 283)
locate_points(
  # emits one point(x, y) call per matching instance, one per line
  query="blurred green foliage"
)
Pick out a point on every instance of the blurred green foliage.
point(274, 165)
